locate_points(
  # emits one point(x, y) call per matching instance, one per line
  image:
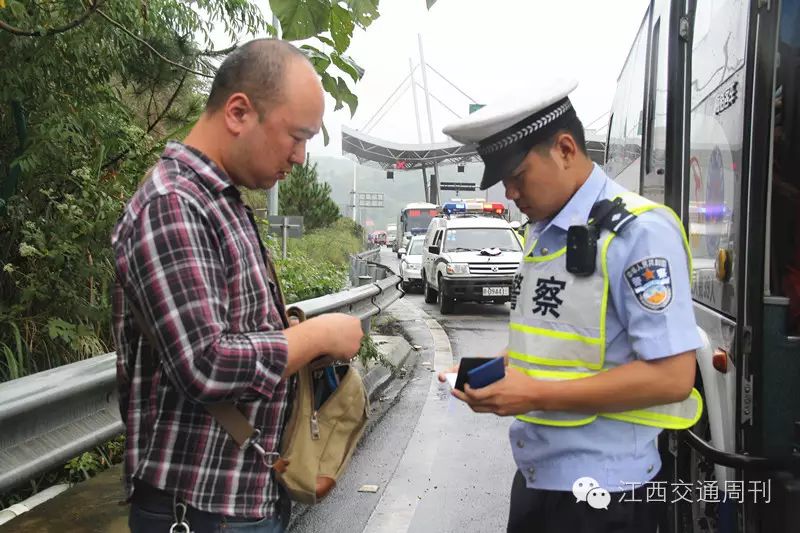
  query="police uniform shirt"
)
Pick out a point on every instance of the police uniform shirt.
point(614, 453)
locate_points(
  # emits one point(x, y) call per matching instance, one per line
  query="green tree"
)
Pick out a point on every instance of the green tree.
point(90, 90)
point(301, 193)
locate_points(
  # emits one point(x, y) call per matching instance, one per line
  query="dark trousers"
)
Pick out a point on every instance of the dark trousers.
point(546, 511)
point(153, 511)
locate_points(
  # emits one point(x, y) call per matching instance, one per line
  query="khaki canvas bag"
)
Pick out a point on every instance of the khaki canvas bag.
point(319, 440)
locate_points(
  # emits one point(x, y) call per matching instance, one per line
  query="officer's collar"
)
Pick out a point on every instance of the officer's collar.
point(577, 209)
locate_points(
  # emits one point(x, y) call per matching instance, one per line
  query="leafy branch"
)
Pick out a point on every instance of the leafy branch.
point(146, 44)
point(93, 6)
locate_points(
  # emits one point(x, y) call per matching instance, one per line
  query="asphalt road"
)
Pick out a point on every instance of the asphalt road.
point(439, 466)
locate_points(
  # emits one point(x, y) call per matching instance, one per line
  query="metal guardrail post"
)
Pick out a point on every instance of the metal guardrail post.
point(50, 417)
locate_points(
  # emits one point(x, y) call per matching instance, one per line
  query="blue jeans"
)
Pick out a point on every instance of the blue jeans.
point(157, 519)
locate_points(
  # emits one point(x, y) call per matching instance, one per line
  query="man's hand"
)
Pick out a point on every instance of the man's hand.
point(441, 375)
point(335, 335)
point(515, 394)
point(342, 334)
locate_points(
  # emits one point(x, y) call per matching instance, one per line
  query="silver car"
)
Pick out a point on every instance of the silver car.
point(411, 263)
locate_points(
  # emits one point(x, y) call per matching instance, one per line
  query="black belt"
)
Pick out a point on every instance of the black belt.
point(148, 496)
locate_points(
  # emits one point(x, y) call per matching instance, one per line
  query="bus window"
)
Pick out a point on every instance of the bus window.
point(655, 155)
point(785, 227)
point(715, 153)
point(625, 131)
point(417, 220)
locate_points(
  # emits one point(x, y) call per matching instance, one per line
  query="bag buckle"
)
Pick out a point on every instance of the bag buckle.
point(269, 458)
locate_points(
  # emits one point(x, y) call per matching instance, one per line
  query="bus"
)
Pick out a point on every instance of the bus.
point(413, 220)
point(706, 119)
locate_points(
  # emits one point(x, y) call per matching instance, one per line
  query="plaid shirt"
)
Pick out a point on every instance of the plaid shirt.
point(188, 255)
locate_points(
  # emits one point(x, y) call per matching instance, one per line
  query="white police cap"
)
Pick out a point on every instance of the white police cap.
point(505, 131)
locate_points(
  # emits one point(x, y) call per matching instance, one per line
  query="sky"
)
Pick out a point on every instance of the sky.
point(485, 48)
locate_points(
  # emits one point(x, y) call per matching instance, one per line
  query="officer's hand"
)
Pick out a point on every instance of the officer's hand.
point(341, 333)
point(454, 369)
point(515, 394)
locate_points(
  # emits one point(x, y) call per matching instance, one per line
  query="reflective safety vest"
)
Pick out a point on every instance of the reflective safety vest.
point(554, 337)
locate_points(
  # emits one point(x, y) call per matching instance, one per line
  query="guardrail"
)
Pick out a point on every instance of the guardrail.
point(49, 417)
point(364, 269)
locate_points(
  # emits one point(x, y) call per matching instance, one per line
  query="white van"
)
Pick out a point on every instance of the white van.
point(469, 258)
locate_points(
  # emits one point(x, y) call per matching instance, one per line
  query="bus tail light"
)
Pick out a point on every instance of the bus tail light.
point(720, 360)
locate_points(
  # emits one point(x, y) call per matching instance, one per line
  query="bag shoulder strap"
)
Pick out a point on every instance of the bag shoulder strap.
point(225, 413)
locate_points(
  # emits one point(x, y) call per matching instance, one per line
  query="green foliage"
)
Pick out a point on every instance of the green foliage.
point(85, 465)
point(302, 277)
point(301, 193)
point(318, 263)
point(256, 199)
point(89, 94)
point(368, 352)
point(352, 228)
point(334, 244)
point(332, 23)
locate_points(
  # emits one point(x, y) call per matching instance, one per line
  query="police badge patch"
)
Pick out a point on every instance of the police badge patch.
point(650, 281)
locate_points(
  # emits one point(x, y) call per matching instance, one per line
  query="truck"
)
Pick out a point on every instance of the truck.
point(391, 234)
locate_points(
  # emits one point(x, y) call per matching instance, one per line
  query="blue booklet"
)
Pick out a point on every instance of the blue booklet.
point(487, 373)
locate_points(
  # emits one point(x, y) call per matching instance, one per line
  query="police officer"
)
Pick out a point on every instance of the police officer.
point(602, 336)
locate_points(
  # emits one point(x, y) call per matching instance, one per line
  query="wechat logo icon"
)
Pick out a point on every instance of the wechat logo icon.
point(586, 489)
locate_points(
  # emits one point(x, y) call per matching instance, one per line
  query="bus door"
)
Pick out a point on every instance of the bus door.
point(708, 198)
point(739, 208)
point(770, 394)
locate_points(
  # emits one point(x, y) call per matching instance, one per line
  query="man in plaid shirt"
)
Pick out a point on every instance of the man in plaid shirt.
point(190, 264)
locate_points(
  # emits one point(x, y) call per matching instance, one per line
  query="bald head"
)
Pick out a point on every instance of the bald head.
point(258, 69)
point(266, 102)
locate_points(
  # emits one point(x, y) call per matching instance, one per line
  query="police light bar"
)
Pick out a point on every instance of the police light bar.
point(494, 208)
point(454, 207)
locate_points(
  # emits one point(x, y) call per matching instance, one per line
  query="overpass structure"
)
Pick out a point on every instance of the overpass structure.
point(391, 156)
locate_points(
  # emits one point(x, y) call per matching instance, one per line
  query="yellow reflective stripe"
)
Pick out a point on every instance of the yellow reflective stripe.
point(549, 361)
point(661, 420)
point(563, 335)
point(553, 375)
point(636, 416)
point(559, 423)
point(604, 301)
point(686, 246)
point(545, 258)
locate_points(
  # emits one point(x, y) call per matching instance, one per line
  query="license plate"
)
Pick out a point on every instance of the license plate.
point(495, 291)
